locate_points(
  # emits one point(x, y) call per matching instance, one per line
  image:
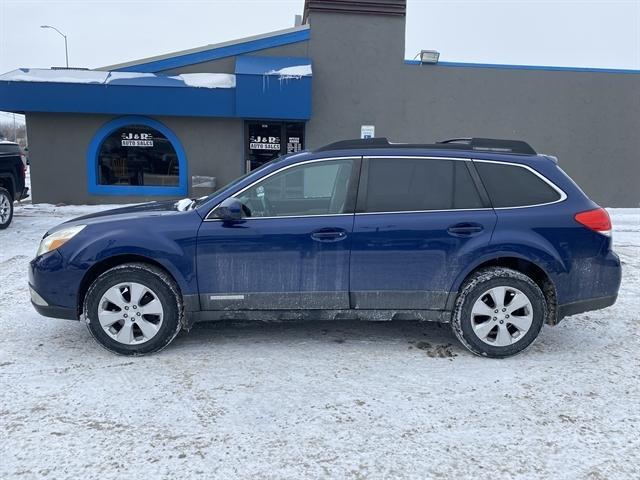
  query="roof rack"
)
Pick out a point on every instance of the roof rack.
point(376, 142)
point(476, 144)
point(493, 145)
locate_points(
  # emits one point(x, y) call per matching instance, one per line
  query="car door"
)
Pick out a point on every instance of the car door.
point(291, 248)
point(418, 223)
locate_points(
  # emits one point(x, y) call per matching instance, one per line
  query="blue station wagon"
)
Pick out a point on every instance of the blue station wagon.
point(484, 234)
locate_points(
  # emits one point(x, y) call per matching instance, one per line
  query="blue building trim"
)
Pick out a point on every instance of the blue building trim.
point(525, 67)
point(131, 190)
point(218, 52)
point(263, 92)
point(116, 99)
point(268, 96)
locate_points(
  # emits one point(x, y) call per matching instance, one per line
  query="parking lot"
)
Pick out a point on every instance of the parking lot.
point(316, 400)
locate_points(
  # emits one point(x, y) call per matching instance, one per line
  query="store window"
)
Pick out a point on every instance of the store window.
point(136, 156)
point(268, 140)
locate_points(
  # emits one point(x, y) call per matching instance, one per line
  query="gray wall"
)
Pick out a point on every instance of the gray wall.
point(590, 120)
point(58, 150)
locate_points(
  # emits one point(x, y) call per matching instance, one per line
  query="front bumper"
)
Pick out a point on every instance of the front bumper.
point(46, 310)
point(53, 287)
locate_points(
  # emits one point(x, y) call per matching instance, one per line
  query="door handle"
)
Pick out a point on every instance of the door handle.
point(329, 234)
point(465, 229)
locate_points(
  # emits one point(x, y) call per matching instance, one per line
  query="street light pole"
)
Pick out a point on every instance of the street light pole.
point(66, 51)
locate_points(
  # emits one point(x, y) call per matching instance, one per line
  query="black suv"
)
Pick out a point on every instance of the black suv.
point(12, 180)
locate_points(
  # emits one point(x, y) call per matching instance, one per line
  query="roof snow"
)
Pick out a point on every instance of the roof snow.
point(296, 71)
point(198, 80)
point(208, 80)
point(57, 76)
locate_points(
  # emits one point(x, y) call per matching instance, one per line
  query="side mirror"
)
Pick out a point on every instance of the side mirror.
point(230, 210)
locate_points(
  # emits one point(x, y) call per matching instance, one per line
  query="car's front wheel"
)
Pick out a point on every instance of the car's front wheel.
point(133, 309)
point(498, 313)
point(6, 208)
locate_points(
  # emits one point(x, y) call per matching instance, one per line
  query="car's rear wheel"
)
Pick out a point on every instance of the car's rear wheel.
point(498, 313)
point(6, 208)
point(133, 309)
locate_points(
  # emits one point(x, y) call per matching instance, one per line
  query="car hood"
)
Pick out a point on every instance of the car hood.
point(133, 212)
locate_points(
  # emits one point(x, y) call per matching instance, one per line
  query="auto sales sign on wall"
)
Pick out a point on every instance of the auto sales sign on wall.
point(137, 139)
point(259, 142)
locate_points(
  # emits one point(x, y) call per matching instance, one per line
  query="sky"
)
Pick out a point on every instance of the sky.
point(587, 33)
point(102, 32)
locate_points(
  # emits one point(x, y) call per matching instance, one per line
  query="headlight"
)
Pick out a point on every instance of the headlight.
point(57, 239)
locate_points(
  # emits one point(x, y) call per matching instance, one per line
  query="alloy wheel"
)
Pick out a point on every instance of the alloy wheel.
point(502, 316)
point(130, 313)
point(5, 208)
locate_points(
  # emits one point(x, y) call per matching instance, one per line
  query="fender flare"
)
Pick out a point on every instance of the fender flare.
point(138, 252)
point(542, 259)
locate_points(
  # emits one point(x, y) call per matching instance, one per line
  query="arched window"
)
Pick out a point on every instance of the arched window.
point(136, 156)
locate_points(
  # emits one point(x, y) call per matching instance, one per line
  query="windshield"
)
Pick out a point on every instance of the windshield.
point(203, 200)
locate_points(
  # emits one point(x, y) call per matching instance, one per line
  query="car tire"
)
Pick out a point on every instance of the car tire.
point(6, 208)
point(498, 313)
point(133, 309)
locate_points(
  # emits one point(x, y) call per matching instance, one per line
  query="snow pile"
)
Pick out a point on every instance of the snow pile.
point(208, 80)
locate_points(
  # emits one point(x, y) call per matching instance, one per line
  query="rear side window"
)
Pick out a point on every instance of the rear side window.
point(513, 186)
point(401, 184)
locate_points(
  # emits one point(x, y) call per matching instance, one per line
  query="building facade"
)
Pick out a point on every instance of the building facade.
point(178, 124)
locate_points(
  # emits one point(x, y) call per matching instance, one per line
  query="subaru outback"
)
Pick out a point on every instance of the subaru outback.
point(484, 234)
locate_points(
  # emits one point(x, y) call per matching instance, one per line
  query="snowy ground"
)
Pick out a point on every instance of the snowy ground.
point(348, 400)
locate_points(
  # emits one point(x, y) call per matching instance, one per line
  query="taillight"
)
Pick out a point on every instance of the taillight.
point(597, 220)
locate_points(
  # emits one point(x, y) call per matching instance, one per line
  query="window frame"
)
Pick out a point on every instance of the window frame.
point(558, 190)
point(350, 203)
point(362, 191)
point(105, 131)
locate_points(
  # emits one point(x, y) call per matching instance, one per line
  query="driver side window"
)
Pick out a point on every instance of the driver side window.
point(318, 188)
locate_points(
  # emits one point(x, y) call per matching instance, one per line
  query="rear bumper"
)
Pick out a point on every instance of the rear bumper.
point(593, 284)
point(574, 308)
